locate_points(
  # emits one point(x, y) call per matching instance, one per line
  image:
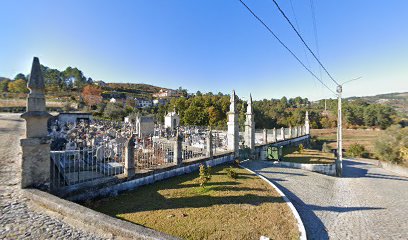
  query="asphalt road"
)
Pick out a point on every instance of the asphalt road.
point(367, 203)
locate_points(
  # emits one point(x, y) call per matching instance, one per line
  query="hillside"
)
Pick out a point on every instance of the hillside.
point(399, 101)
point(136, 89)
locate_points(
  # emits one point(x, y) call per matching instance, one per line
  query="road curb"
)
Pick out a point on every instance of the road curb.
point(301, 227)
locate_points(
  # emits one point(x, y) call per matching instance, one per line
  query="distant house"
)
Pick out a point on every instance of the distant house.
point(143, 103)
point(165, 93)
point(160, 101)
point(100, 83)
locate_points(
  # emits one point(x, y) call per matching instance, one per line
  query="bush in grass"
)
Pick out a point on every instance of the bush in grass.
point(205, 175)
point(232, 173)
point(326, 148)
point(392, 145)
point(356, 150)
point(300, 148)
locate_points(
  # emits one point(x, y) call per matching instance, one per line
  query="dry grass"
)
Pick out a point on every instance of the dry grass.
point(365, 137)
point(242, 208)
point(309, 156)
point(23, 103)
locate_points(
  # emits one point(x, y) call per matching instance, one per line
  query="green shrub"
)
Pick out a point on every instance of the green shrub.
point(232, 173)
point(205, 175)
point(300, 148)
point(356, 150)
point(326, 148)
point(392, 144)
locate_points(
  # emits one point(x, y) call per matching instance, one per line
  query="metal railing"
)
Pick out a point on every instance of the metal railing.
point(72, 167)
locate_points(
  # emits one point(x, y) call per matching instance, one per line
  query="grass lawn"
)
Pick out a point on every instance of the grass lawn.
point(242, 208)
point(365, 137)
point(307, 156)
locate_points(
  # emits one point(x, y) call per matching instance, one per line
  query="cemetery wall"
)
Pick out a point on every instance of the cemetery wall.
point(117, 188)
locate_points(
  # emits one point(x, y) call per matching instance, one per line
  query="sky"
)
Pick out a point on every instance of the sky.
point(213, 45)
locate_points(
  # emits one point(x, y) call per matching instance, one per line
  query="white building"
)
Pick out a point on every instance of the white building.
point(165, 93)
point(161, 101)
point(171, 120)
point(143, 103)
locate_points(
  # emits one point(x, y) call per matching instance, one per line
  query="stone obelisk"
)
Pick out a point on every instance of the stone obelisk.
point(233, 127)
point(35, 165)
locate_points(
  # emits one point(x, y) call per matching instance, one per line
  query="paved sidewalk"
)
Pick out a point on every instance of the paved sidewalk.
point(17, 220)
point(367, 203)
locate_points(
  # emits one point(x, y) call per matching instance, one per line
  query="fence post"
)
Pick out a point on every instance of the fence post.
point(130, 165)
point(178, 149)
point(233, 127)
point(275, 136)
point(307, 124)
point(250, 127)
point(296, 132)
point(209, 145)
point(35, 165)
point(283, 133)
point(265, 135)
point(290, 132)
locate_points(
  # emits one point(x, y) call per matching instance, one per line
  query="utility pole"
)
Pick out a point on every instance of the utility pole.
point(339, 160)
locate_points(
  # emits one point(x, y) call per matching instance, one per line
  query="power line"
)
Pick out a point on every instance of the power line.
point(301, 38)
point(313, 10)
point(290, 51)
point(297, 26)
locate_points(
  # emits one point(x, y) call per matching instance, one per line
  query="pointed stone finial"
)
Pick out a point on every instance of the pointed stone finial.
point(36, 81)
point(249, 108)
point(233, 96)
point(233, 102)
point(307, 115)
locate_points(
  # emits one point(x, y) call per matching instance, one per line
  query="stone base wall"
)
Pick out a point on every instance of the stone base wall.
point(135, 183)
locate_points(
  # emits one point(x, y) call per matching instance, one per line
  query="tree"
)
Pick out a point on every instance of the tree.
point(4, 85)
point(114, 111)
point(73, 77)
point(20, 76)
point(18, 86)
point(92, 95)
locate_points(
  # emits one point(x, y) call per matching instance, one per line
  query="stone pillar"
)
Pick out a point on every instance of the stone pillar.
point(35, 164)
point(130, 157)
point(283, 133)
point(178, 144)
point(307, 124)
point(233, 127)
point(263, 153)
point(209, 145)
point(275, 136)
point(250, 126)
point(265, 136)
point(295, 134)
point(290, 132)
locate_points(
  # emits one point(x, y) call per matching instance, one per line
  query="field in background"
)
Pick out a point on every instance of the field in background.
point(365, 137)
point(242, 208)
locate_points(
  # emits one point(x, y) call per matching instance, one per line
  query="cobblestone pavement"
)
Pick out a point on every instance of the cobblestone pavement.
point(17, 220)
point(367, 203)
